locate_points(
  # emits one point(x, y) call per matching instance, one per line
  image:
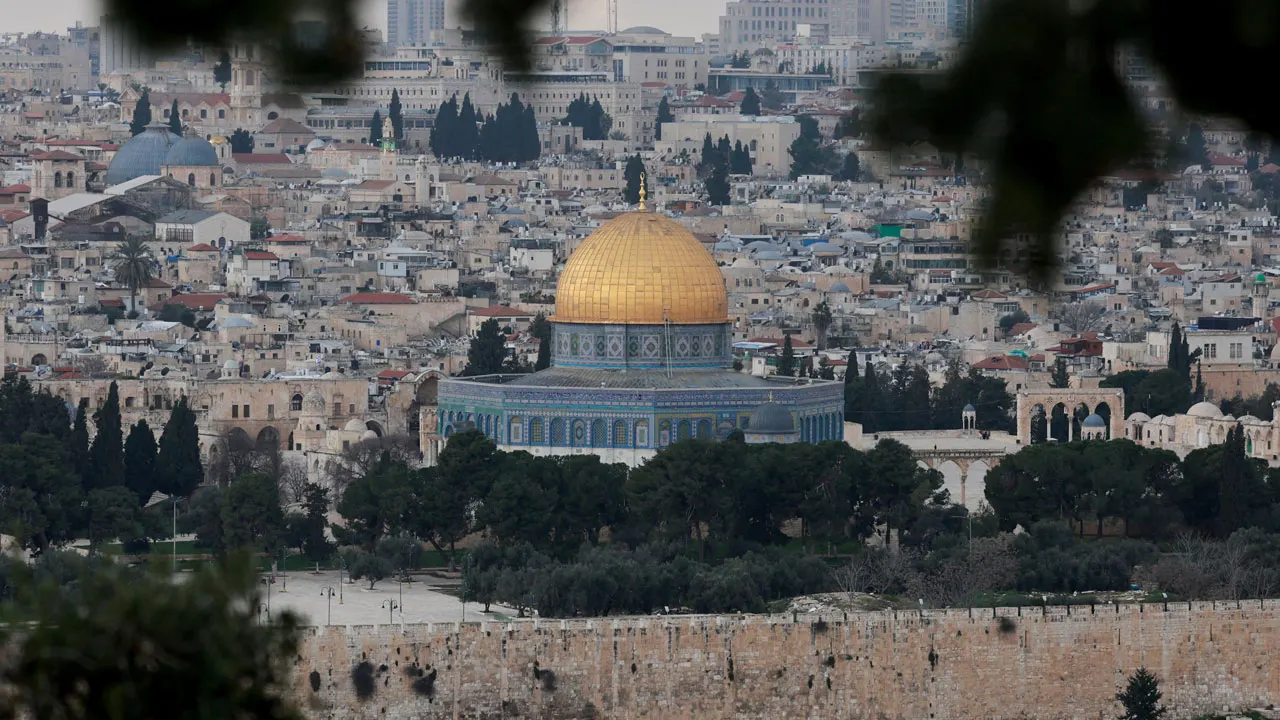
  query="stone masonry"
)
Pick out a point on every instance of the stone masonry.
point(1041, 663)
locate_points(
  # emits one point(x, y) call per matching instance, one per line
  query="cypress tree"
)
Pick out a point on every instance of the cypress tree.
point(80, 439)
point(106, 456)
point(175, 120)
point(787, 363)
point(140, 461)
point(375, 129)
point(664, 116)
point(141, 114)
point(466, 142)
point(397, 118)
point(178, 468)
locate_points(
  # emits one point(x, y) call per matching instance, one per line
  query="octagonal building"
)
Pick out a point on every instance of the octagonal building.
point(641, 358)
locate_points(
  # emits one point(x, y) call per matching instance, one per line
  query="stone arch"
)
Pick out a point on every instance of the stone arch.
point(704, 429)
point(238, 440)
point(1059, 423)
point(599, 433)
point(268, 439)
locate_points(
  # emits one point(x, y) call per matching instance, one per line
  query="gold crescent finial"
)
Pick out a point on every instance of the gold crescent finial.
point(642, 193)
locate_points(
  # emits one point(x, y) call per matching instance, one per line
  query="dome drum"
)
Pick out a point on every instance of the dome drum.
point(641, 346)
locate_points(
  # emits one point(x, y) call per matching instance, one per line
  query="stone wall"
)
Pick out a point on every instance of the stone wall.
point(1035, 663)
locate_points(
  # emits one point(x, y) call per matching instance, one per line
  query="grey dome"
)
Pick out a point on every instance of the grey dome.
point(771, 418)
point(192, 151)
point(1094, 421)
point(143, 155)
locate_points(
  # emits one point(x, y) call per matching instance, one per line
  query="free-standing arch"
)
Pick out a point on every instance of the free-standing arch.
point(1091, 398)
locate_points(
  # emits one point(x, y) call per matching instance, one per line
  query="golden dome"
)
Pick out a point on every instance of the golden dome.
point(641, 268)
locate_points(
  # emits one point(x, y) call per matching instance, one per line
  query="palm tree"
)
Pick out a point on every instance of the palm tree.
point(133, 267)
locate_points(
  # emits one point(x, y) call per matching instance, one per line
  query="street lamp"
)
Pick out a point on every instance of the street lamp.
point(391, 607)
point(327, 592)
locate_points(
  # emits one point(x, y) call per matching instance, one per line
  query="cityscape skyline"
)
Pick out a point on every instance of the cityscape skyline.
point(673, 16)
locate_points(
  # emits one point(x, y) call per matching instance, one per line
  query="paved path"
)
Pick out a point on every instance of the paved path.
point(307, 594)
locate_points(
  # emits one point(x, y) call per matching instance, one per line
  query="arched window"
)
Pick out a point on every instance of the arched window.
point(57, 179)
point(71, 179)
point(295, 404)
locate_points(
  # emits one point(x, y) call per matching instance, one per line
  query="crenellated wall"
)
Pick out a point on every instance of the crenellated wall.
point(1036, 663)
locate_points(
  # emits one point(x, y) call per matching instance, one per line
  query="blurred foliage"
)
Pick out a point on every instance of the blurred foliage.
point(1038, 96)
point(120, 644)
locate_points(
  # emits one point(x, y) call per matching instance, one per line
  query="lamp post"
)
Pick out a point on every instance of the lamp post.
point(391, 607)
point(327, 592)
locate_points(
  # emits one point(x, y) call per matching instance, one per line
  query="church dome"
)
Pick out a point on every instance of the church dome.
point(1205, 410)
point(641, 268)
point(192, 151)
point(142, 155)
point(771, 418)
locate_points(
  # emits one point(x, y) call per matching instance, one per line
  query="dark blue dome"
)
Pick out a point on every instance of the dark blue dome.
point(143, 155)
point(771, 418)
point(192, 151)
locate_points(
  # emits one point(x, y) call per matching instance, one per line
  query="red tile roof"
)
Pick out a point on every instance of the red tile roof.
point(56, 155)
point(196, 301)
point(1003, 362)
point(500, 311)
point(378, 298)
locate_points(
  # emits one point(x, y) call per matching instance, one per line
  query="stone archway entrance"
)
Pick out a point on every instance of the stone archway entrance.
point(1109, 400)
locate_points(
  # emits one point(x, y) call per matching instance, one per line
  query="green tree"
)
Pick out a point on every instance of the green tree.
point(179, 469)
point(851, 171)
point(488, 351)
point(140, 461)
point(1016, 317)
point(134, 266)
point(1141, 697)
point(395, 113)
point(175, 120)
point(633, 174)
point(251, 514)
point(375, 128)
point(141, 114)
point(222, 70)
point(1060, 378)
point(114, 514)
point(149, 647)
point(664, 116)
point(106, 455)
point(241, 141)
point(787, 360)
point(750, 103)
point(718, 189)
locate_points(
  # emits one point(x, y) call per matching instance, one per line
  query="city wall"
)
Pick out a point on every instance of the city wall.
point(1041, 663)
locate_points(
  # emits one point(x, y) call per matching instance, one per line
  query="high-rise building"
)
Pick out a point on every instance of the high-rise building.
point(410, 22)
